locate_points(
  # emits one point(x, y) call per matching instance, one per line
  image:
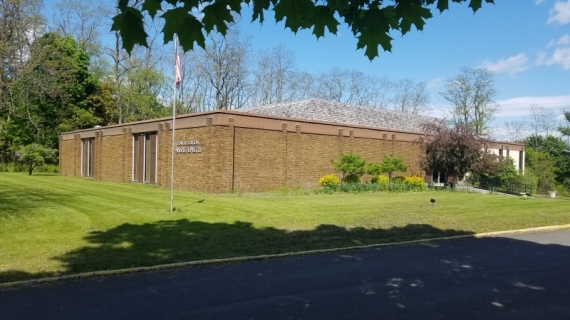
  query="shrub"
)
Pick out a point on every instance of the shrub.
point(352, 178)
point(350, 164)
point(329, 180)
point(35, 155)
point(380, 180)
point(398, 180)
point(389, 165)
point(416, 183)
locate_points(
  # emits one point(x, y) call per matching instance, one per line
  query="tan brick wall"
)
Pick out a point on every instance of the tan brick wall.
point(259, 160)
point(112, 159)
point(67, 157)
point(208, 171)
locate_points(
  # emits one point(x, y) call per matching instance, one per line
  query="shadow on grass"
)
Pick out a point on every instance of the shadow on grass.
point(18, 202)
point(163, 242)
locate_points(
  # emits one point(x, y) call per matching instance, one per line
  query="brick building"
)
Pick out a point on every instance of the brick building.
point(262, 148)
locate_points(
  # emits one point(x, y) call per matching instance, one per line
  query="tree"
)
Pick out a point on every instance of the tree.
point(541, 165)
point(410, 97)
point(555, 150)
point(565, 130)
point(455, 150)
point(389, 165)
point(83, 20)
point(224, 64)
point(372, 22)
point(471, 94)
point(542, 120)
point(273, 76)
point(515, 130)
point(35, 155)
point(351, 166)
point(20, 23)
point(53, 90)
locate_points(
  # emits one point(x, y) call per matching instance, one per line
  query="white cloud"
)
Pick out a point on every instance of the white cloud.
point(512, 65)
point(560, 13)
point(565, 39)
point(560, 55)
point(537, 2)
point(434, 83)
point(520, 106)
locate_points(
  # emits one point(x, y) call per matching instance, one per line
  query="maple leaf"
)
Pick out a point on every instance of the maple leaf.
point(374, 28)
point(258, 7)
point(129, 23)
point(217, 15)
point(411, 13)
point(324, 17)
point(152, 7)
point(188, 28)
point(298, 13)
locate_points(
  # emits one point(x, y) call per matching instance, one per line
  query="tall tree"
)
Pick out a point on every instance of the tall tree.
point(54, 89)
point(558, 153)
point(20, 23)
point(565, 130)
point(470, 95)
point(410, 97)
point(273, 76)
point(224, 63)
point(515, 130)
point(85, 21)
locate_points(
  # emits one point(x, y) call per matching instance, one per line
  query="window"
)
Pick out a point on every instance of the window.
point(144, 157)
point(87, 157)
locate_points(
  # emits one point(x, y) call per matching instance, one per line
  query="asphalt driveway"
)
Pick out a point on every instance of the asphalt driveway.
point(522, 277)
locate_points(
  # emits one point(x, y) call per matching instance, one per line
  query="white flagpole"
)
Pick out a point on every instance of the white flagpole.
point(173, 127)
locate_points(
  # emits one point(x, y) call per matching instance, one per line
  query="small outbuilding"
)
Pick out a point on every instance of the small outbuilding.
point(256, 149)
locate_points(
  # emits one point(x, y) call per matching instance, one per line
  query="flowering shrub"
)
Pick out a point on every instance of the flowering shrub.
point(416, 183)
point(383, 180)
point(329, 180)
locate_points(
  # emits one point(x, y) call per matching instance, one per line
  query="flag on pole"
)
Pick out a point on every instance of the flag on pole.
point(177, 69)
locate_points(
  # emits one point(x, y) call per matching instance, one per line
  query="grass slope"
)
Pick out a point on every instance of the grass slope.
point(53, 225)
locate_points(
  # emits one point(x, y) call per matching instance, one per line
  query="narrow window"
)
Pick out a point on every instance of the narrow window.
point(87, 157)
point(144, 157)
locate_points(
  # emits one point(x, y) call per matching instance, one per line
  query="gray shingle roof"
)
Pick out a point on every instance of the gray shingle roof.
point(336, 112)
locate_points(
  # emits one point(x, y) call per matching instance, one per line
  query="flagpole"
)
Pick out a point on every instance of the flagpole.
point(173, 128)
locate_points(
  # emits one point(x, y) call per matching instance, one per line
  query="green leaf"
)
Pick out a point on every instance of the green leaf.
point(411, 13)
point(217, 15)
point(188, 28)
point(122, 4)
point(129, 23)
point(191, 32)
point(442, 5)
point(152, 6)
point(475, 5)
point(258, 7)
point(341, 6)
point(374, 28)
point(298, 13)
point(324, 17)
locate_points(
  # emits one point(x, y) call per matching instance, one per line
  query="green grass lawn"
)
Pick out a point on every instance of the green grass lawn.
point(51, 225)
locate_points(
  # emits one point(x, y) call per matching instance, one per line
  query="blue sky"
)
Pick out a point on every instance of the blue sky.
point(525, 42)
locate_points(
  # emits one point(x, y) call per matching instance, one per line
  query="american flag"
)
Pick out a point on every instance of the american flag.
point(177, 69)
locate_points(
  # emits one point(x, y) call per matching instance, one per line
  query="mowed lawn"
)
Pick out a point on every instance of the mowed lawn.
point(51, 225)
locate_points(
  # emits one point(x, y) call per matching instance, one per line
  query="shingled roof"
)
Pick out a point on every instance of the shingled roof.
point(336, 112)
